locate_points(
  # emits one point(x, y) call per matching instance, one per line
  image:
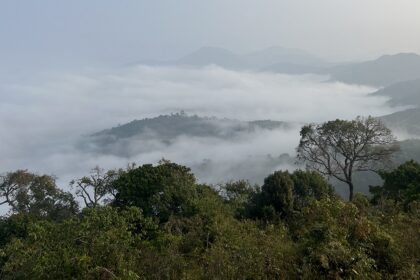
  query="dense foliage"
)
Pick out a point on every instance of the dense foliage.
point(157, 222)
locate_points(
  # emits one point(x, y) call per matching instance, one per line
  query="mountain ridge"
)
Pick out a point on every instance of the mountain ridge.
point(383, 71)
point(254, 60)
point(406, 93)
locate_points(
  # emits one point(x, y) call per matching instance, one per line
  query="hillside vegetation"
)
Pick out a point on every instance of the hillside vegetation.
point(156, 222)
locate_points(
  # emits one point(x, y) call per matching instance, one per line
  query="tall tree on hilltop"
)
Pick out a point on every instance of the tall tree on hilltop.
point(340, 148)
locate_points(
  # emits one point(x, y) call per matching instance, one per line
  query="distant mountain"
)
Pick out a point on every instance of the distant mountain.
point(402, 93)
point(295, 69)
point(407, 121)
point(286, 56)
point(405, 93)
point(211, 55)
point(410, 149)
point(250, 61)
point(384, 71)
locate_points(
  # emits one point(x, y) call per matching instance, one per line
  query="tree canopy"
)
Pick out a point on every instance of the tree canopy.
point(340, 148)
point(97, 187)
point(401, 184)
point(37, 195)
point(160, 191)
point(159, 223)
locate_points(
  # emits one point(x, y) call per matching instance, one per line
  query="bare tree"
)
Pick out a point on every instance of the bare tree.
point(95, 188)
point(340, 148)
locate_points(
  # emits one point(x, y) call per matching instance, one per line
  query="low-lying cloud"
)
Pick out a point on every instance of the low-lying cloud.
point(43, 120)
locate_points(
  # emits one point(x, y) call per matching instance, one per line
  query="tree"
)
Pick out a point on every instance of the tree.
point(11, 185)
point(401, 184)
point(37, 195)
point(95, 188)
point(284, 193)
point(277, 194)
point(340, 148)
point(102, 243)
point(237, 195)
point(309, 185)
point(161, 191)
point(237, 190)
point(340, 242)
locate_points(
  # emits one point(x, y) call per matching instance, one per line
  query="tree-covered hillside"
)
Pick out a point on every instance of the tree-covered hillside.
point(157, 222)
point(168, 127)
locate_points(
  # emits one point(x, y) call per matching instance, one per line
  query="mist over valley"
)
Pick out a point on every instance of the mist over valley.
point(225, 122)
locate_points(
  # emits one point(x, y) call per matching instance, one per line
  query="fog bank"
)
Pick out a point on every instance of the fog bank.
point(42, 120)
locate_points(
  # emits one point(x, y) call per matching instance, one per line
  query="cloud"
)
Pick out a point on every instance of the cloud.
point(42, 120)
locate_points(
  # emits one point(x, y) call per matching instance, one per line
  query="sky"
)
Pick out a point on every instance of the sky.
point(49, 33)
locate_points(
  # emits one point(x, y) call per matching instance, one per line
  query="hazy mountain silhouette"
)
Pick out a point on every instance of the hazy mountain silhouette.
point(256, 60)
point(295, 69)
point(384, 71)
point(381, 72)
point(405, 93)
point(280, 55)
point(402, 93)
point(212, 55)
point(407, 121)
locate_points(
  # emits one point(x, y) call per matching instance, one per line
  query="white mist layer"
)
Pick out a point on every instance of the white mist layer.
point(42, 120)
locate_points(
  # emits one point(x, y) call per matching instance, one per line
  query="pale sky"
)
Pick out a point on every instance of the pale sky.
point(81, 32)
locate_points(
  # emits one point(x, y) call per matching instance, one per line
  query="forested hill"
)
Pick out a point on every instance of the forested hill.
point(156, 222)
point(170, 126)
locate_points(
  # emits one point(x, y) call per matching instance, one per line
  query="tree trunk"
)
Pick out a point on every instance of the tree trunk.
point(351, 187)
